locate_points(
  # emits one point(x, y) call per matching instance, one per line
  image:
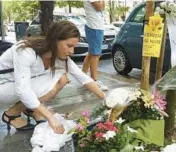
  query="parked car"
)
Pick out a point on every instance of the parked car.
point(128, 43)
point(4, 45)
point(82, 48)
point(118, 23)
point(11, 27)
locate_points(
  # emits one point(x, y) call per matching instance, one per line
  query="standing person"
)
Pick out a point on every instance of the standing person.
point(40, 71)
point(94, 30)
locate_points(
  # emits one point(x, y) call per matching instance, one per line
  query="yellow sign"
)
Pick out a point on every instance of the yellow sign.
point(153, 33)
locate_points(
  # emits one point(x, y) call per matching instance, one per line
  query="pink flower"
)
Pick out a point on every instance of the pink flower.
point(108, 123)
point(107, 126)
point(100, 126)
point(160, 101)
point(82, 145)
point(86, 114)
point(87, 120)
point(99, 134)
point(80, 127)
point(113, 129)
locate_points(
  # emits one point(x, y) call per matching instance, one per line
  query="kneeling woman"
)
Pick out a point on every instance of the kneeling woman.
point(40, 71)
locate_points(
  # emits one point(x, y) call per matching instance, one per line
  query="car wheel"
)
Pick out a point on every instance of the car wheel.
point(121, 61)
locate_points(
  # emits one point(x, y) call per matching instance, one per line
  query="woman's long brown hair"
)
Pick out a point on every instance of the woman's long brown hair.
point(58, 31)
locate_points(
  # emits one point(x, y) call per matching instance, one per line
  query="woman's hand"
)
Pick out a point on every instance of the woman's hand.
point(56, 126)
point(53, 122)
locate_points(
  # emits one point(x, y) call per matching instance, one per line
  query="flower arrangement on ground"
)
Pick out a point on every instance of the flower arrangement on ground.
point(103, 136)
point(142, 110)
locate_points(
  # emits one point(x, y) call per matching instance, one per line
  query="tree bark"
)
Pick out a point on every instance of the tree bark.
point(2, 28)
point(171, 110)
point(146, 60)
point(69, 6)
point(110, 11)
point(46, 15)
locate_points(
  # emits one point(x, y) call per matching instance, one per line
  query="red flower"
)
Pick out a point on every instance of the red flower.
point(99, 134)
point(101, 126)
point(108, 123)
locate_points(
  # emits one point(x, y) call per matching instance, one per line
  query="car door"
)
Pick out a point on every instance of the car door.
point(134, 35)
point(134, 40)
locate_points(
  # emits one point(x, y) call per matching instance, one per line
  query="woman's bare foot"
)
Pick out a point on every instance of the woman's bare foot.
point(18, 122)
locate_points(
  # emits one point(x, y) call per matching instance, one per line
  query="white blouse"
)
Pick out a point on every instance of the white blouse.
point(26, 65)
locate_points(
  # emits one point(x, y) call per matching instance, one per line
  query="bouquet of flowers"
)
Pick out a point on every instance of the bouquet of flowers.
point(167, 8)
point(142, 110)
point(145, 105)
point(133, 104)
point(102, 137)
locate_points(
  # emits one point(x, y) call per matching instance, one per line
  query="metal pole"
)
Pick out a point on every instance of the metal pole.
point(2, 22)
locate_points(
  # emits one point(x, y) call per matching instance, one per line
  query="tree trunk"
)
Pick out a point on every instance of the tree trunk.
point(69, 6)
point(46, 16)
point(2, 32)
point(171, 110)
point(110, 11)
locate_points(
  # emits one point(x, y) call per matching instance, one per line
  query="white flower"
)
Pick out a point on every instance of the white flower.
point(139, 148)
point(107, 112)
point(163, 5)
point(120, 121)
point(173, 14)
point(109, 134)
point(170, 148)
point(157, 9)
point(171, 7)
point(131, 130)
point(134, 96)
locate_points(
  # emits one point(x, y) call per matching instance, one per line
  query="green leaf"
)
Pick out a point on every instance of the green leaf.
point(113, 150)
point(71, 131)
point(128, 148)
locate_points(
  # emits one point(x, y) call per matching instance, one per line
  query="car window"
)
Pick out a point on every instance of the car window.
point(59, 18)
point(139, 15)
point(117, 24)
point(36, 20)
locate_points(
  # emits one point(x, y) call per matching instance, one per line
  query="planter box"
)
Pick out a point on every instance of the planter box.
point(149, 131)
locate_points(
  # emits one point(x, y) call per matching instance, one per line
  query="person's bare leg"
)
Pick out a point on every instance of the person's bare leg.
point(15, 111)
point(94, 67)
point(19, 107)
point(52, 94)
point(60, 84)
point(86, 63)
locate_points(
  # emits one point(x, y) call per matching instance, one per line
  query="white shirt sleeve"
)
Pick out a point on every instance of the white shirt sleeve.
point(23, 59)
point(77, 73)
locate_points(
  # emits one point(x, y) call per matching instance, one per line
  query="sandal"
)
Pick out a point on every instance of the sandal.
point(29, 114)
point(23, 128)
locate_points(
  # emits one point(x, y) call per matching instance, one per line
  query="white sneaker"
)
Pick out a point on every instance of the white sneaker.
point(101, 86)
